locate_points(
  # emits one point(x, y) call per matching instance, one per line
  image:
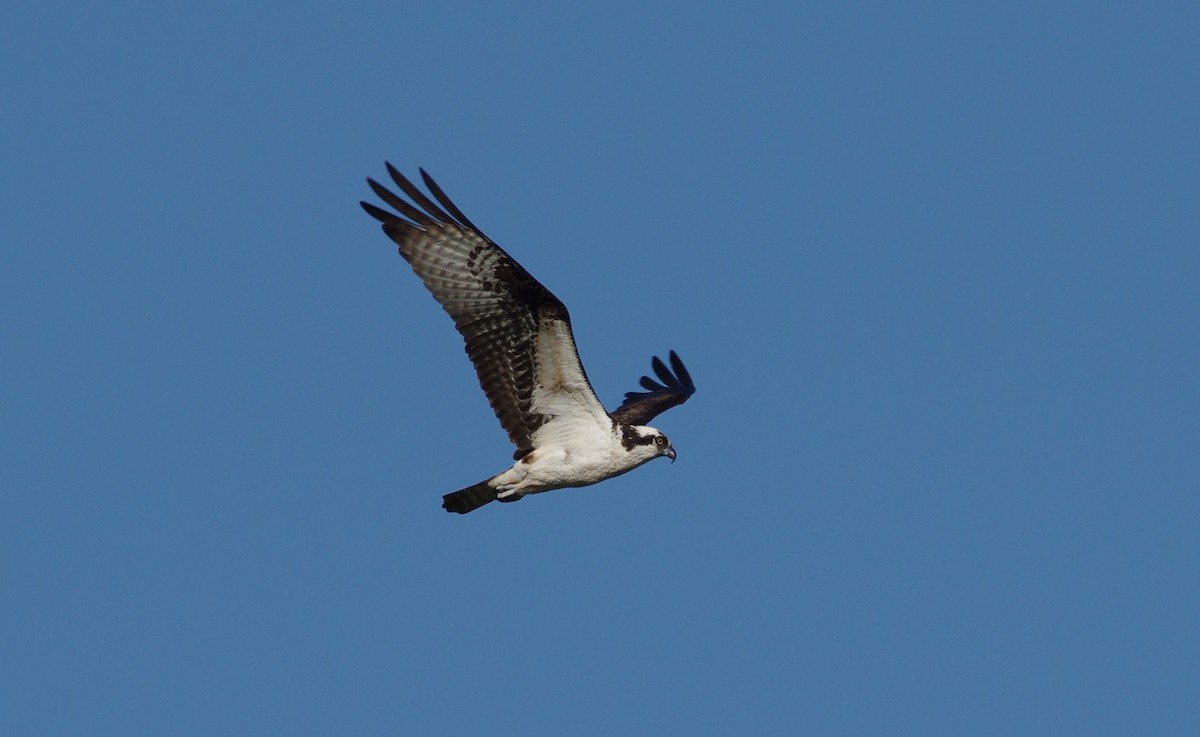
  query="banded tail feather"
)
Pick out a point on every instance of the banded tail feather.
point(472, 498)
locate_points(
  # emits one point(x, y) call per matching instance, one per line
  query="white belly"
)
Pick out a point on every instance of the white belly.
point(557, 468)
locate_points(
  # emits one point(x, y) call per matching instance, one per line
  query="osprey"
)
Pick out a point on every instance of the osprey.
point(519, 337)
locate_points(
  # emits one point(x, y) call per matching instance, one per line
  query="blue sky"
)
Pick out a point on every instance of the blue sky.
point(934, 268)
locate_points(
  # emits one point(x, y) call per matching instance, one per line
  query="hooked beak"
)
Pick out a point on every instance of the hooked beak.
point(670, 454)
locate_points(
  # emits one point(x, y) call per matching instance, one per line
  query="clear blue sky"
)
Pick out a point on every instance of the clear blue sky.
point(935, 269)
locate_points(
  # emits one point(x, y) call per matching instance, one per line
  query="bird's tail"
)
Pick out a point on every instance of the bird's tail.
point(471, 498)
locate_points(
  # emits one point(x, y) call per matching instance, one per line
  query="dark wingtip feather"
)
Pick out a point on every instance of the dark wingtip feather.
point(379, 214)
point(640, 407)
point(447, 203)
point(395, 174)
point(665, 374)
point(681, 371)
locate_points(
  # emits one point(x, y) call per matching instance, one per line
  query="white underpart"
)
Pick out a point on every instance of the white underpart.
point(558, 465)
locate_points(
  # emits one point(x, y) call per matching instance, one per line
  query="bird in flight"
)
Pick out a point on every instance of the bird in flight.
point(518, 336)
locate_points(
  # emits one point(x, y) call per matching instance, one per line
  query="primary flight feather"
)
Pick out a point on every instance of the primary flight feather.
point(518, 336)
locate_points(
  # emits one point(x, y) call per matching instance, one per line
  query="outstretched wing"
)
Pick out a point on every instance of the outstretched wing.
point(641, 407)
point(518, 334)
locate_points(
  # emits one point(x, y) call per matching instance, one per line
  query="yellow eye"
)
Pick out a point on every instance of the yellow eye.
point(660, 440)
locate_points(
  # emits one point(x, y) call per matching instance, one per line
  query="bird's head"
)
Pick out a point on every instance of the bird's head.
point(647, 441)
